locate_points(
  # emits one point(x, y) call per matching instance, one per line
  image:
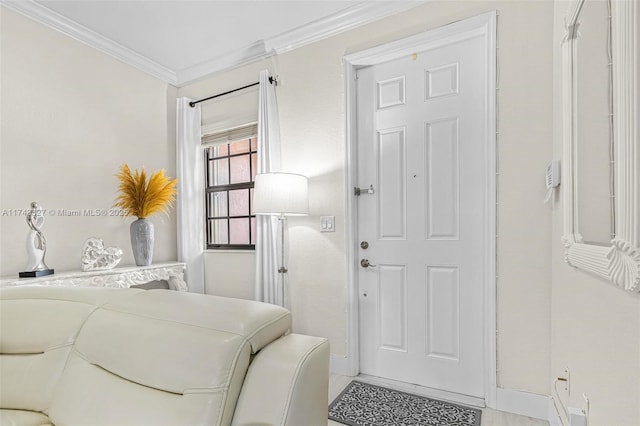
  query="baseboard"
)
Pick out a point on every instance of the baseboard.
point(338, 365)
point(423, 391)
point(529, 404)
point(523, 403)
point(554, 415)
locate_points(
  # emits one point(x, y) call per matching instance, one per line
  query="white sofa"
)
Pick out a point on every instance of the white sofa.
point(100, 356)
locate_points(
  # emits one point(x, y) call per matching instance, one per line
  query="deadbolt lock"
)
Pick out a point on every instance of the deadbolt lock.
point(364, 245)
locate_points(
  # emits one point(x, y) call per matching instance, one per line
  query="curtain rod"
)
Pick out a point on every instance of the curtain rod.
point(192, 104)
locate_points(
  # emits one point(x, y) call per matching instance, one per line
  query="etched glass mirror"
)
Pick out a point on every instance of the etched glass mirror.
point(601, 149)
point(595, 165)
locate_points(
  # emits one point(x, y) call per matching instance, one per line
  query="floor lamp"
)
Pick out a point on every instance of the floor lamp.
point(281, 194)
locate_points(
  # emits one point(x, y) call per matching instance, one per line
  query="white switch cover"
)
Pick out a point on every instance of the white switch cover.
point(327, 224)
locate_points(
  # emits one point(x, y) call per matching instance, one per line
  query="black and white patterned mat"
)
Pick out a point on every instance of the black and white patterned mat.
point(362, 404)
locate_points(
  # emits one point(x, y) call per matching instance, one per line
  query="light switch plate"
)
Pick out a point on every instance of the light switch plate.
point(327, 224)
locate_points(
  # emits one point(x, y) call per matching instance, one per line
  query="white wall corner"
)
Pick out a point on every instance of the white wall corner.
point(339, 364)
point(525, 404)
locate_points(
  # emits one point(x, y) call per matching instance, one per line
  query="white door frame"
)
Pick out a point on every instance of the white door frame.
point(482, 25)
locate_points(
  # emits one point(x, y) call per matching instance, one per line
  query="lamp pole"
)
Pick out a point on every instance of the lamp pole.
point(283, 269)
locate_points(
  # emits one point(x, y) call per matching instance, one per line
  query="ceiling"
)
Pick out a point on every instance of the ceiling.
point(181, 41)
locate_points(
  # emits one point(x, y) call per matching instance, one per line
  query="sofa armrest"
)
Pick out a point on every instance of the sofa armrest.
point(286, 384)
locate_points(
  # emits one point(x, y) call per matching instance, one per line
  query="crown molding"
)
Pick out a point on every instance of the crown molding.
point(51, 19)
point(345, 20)
point(248, 54)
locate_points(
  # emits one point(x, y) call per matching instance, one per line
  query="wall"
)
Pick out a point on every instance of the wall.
point(594, 323)
point(593, 123)
point(312, 117)
point(70, 117)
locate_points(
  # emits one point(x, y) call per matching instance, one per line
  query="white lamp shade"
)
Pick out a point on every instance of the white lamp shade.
point(280, 193)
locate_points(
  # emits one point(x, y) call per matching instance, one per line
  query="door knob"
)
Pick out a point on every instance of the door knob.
point(365, 263)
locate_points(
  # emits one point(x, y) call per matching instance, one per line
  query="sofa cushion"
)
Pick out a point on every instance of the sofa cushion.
point(23, 418)
point(259, 323)
point(159, 354)
point(162, 357)
point(38, 327)
point(36, 319)
point(91, 395)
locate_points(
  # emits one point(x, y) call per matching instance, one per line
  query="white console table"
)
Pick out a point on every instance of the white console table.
point(172, 272)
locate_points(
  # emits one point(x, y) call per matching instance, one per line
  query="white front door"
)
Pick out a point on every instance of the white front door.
point(422, 126)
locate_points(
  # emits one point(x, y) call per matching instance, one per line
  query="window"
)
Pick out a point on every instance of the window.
point(230, 170)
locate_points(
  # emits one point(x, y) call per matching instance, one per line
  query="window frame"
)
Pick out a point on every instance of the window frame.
point(227, 188)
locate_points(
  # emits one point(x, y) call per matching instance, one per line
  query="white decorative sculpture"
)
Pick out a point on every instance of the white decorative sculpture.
point(36, 244)
point(96, 258)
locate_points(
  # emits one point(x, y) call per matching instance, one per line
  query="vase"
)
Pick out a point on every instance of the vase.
point(142, 241)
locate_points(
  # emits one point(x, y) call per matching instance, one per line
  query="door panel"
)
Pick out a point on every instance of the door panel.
point(391, 92)
point(443, 312)
point(441, 81)
point(392, 302)
point(442, 183)
point(421, 127)
point(391, 183)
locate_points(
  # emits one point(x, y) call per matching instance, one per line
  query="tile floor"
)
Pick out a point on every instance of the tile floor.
point(489, 417)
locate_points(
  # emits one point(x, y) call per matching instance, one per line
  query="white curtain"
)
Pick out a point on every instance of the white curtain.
point(190, 199)
point(270, 285)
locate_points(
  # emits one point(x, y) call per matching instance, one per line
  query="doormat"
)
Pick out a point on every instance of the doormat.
point(362, 404)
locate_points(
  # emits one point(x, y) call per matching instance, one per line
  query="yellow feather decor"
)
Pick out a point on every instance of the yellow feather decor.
point(142, 198)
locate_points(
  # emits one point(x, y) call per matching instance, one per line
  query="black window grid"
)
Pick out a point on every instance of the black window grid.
point(226, 188)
